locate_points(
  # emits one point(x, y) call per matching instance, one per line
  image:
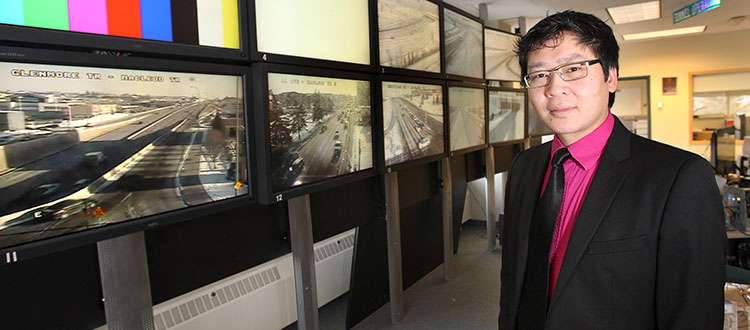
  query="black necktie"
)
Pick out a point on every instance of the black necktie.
point(532, 308)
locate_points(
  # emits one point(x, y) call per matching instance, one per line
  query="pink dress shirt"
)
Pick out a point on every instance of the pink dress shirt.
point(579, 170)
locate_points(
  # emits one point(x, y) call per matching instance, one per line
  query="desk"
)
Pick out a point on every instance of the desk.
point(733, 234)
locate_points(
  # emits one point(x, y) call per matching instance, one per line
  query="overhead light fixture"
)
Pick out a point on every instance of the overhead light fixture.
point(664, 33)
point(636, 12)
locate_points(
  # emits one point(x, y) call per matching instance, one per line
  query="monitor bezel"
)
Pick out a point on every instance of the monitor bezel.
point(444, 64)
point(16, 253)
point(485, 56)
point(380, 123)
point(266, 194)
point(57, 39)
point(409, 72)
point(271, 58)
point(525, 114)
point(447, 113)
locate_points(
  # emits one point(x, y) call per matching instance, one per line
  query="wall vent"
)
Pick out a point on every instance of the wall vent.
point(328, 250)
point(260, 298)
point(216, 298)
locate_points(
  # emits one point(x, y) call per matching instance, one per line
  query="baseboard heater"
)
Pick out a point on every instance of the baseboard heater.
point(262, 297)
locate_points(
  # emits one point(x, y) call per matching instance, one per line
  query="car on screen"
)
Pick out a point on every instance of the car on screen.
point(46, 189)
point(93, 159)
point(68, 207)
point(295, 168)
point(58, 211)
point(425, 141)
point(336, 151)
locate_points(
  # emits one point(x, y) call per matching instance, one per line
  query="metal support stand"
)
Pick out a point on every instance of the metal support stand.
point(393, 219)
point(127, 291)
point(300, 227)
point(449, 266)
point(491, 213)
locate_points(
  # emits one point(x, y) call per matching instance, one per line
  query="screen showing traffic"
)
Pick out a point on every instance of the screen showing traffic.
point(412, 121)
point(83, 147)
point(463, 45)
point(506, 115)
point(319, 128)
point(466, 109)
point(409, 34)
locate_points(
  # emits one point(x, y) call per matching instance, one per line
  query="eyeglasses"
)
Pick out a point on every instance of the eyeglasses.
point(567, 72)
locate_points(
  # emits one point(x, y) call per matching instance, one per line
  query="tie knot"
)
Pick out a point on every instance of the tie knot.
point(561, 155)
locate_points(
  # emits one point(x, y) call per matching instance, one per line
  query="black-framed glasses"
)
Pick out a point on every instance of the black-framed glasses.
point(567, 72)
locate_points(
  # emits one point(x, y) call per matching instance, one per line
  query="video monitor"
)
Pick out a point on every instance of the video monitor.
point(500, 61)
point(409, 34)
point(506, 112)
point(319, 128)
point(331, 30)
point(413, 124)
point(723, 144)
point(197, 28)
point(87, 147)
point(463, 45)
point(466, 109)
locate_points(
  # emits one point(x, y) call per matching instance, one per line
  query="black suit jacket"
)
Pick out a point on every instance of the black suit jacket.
point(647, 248)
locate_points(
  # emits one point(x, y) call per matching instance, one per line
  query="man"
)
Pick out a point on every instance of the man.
point(603, 229)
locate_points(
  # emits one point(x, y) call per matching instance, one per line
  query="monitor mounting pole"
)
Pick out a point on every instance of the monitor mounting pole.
point(491, 213)
point(449, 266)
point(124, 274)
point(393, 228)
point(300, 227)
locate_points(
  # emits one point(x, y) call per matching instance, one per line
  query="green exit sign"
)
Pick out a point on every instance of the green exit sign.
point(695, 9)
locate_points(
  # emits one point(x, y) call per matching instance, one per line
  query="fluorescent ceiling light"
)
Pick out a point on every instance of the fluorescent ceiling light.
point(635, 12)
point(664, 33)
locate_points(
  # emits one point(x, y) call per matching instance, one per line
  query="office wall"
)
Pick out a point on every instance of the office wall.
point(676, 57)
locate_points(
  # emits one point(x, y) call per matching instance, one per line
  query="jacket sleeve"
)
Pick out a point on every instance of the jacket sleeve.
point(691, 245)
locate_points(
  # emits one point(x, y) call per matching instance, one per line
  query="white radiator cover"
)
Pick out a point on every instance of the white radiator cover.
point(262, 297)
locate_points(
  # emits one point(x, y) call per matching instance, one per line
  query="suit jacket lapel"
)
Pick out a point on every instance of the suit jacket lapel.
point(606, 182)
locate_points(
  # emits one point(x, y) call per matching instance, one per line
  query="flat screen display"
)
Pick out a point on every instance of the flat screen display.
point(463, 45)
point(319, 128)
point(725, 145)
point(409, 34)
point(213, 23)
point(506, 115)
point(84, 147)
point(334, 30)
point(412, 121)
point(466, 109)
point(501, 62)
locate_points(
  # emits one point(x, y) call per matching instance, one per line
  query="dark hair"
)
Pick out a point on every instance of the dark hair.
point(589, 29)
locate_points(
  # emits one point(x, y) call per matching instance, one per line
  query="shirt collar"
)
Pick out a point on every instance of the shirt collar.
point(587, 151)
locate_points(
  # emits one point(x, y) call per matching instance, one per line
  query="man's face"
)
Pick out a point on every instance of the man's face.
point(571, 109)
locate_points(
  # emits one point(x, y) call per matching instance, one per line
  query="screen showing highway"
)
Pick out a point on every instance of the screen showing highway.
point(409, 34)
point(466, 109)
point(83, 147)
point(319, 128)
point(412, 121)
point(463, 45)
point(500, 61)
point(506, 116)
